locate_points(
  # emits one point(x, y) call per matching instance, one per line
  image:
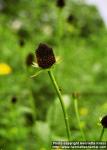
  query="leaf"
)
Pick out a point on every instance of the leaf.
point(37, 73)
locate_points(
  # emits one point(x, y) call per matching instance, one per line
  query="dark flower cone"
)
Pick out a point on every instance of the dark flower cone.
point(45, 56)
point(29, 59)
point(21, 42)
point(104, 121)
point(14, 100)
point(60, 3)
point(71, 18)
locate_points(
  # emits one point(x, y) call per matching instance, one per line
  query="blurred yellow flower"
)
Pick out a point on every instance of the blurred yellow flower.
point(5, 69)
point(83, 111)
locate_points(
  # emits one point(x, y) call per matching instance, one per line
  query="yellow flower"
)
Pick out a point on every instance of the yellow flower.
point(5, 69)
point(83, 111)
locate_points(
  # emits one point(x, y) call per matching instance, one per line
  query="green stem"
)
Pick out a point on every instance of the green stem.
point(61, 101)
point(101, 135)
point(60, 26)
point(78, 118)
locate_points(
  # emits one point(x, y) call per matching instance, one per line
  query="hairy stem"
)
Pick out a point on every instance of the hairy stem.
point(61, 101)
point(101, 135)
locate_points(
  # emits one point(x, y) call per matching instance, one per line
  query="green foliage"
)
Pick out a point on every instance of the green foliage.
point(36, 119)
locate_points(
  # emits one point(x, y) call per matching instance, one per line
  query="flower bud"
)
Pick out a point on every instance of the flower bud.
point(14, 99)
point(45, 56)
point(71, 18)
point(104, 121)
point(60, 3)
point(21, 42)
point(29, 59)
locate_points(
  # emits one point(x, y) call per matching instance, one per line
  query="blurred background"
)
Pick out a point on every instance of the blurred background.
point(30, 113)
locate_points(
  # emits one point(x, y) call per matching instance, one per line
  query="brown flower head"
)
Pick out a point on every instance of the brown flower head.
point(14, 99)
point(60, 3)
point(104, 121)
point(45, 56)
point(29, 59)
point(71, 18)
point(21, 42)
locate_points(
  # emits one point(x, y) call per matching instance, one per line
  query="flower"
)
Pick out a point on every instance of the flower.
point(14, 99)
point(60, 3)
point(5, 69)
point(45, 56)
point(21, 42)
point(29, 59)
point(71, 18)
point(104, 121)
point(45, 59)
point(83, 111)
